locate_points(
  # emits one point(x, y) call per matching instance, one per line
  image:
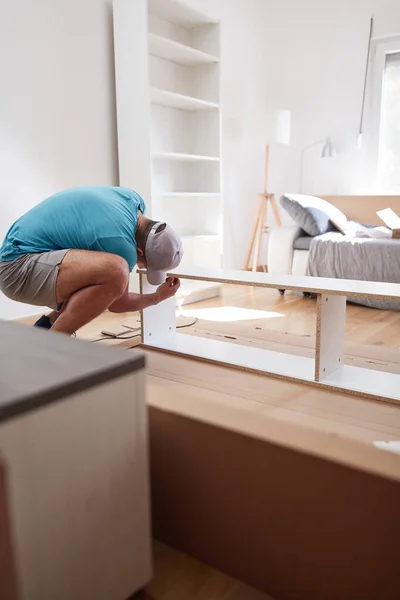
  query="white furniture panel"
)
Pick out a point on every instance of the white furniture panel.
point(327, 369)
point(365, 382)
point(244, 357)
point(331, 330)
point(316, 285)
point(133, 95)
point(162, 322)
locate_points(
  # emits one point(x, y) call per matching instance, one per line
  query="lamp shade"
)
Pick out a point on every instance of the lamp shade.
point(283, 123)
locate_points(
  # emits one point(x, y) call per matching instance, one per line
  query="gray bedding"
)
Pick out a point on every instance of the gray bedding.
point(302, 243)
point(335, 255)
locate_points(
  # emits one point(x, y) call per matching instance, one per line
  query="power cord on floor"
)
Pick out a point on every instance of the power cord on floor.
point(188, 324)
point(131, 337)
point(115, 337)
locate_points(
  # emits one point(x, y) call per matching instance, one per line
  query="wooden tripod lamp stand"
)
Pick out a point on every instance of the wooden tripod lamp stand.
point(259, 224)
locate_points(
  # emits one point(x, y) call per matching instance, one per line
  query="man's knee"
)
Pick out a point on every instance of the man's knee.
point(116, 272)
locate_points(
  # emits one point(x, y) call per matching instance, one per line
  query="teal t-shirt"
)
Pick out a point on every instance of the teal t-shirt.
point(85, 218)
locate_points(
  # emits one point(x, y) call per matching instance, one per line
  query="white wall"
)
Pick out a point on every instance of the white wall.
point(305, 57)
point(318, 68)
point(57, 107)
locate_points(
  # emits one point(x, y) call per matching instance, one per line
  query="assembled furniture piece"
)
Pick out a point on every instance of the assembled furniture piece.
point(74, 480)
point(260, 222)
point(326, 369)
point(288, 248)
point(167, 69)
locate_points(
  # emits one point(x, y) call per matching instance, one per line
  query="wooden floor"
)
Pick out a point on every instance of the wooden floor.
point(261, 317)
point(179, 577)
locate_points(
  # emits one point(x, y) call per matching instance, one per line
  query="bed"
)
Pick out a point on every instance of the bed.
point(331, 254)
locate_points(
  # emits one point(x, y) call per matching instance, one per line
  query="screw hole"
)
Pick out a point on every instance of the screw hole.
point(324, 370)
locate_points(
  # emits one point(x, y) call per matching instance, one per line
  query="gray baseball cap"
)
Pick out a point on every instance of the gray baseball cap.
point(163, 252)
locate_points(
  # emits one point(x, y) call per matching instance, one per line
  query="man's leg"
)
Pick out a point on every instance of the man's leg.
point(89, 282)
point(47, 321)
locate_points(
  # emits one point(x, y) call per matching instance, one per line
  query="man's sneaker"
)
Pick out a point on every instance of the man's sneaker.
point(43, 322)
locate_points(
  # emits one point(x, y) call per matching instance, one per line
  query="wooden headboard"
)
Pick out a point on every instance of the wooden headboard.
point(363, 208)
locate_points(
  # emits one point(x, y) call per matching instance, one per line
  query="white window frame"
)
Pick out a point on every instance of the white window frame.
point(379, 51)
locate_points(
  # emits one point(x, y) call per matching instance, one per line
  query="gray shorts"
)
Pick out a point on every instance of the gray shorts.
point(32, 278)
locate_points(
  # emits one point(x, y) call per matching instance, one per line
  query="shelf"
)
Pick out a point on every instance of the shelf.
point(176, 12)
point(167, 49)
point(179, 101)
point(246, 357)
point(184, 157)
point(365, 381)
point(190, 195)
point(288, 366)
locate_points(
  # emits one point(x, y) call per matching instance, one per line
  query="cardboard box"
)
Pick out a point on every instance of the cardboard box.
point(285, 521)
point(391, 220)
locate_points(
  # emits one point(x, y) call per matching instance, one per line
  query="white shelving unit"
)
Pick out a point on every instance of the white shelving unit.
point(169, 120)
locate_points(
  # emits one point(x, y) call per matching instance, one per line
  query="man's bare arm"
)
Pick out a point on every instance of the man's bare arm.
point(131, 302)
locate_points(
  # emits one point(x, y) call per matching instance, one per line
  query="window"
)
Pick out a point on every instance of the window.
point(384, 121)
point(389, 132)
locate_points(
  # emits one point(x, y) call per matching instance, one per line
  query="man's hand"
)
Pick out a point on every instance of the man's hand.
point(168, 289)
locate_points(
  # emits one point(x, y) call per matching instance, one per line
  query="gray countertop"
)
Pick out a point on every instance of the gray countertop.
point(38, 367)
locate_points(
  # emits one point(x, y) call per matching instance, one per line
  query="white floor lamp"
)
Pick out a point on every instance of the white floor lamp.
point(328, 151)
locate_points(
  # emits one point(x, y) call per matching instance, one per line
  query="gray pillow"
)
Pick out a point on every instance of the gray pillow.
point(314, 215)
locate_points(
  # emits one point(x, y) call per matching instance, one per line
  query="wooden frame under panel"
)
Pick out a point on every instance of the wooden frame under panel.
point(326, 369)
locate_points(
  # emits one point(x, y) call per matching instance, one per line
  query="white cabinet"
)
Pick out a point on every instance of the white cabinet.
point(74, 467)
